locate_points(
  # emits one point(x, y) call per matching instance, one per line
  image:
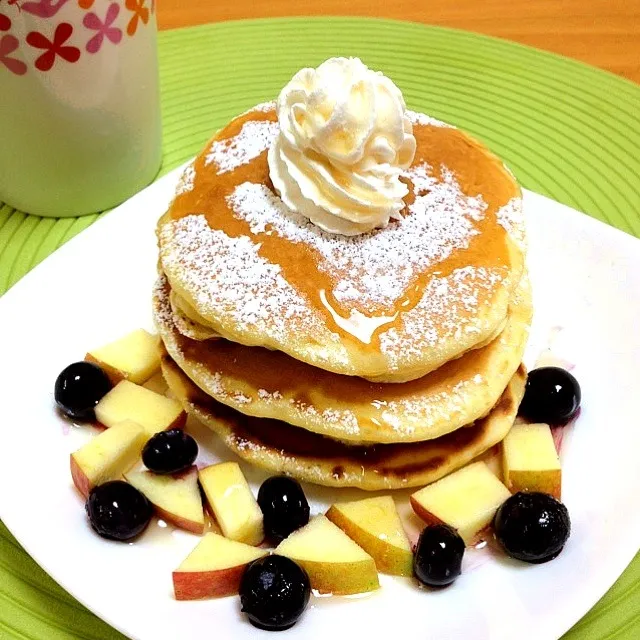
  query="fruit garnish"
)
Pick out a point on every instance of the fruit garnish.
point(530, 461)
point(79, 388)
point(214, 568)
point(375, 525)
point(176, 498)
point(231, 501)
point(284, 506)
point(438, 558)
point(334, 562)
point(466, 500)
point(118, 511)
point(274, 592)
point(170, 451)
point(107, 456)
point(552, 395)
point(532, 527)
point(152, 411)
point(133, 357)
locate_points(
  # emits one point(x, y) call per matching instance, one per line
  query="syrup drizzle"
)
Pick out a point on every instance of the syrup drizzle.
point(358, 325)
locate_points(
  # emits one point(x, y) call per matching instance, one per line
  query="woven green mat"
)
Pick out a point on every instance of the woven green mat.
point(567, 130)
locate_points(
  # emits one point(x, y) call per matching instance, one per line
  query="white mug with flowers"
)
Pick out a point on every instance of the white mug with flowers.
point(80, 114)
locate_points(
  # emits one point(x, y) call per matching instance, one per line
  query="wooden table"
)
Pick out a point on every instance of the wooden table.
point(604, 33)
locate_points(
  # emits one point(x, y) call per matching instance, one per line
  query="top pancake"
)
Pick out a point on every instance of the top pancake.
point(390, 305)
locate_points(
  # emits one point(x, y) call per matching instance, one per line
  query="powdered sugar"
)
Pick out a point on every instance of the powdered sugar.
point(227, 276)
point(445, 312)
point(347, 419)
point(425, 120)
point(241, 398)
point(375, 267)
point(254, 138)
point(511, 218)
point(163, 312)
point(185, 183)
point(263, 394)
point(263, 107)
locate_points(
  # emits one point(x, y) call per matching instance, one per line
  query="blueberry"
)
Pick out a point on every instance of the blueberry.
point(552, 395)
point(274, 592)
point(170, 451)
point(438, 559)
point(79, 388)
point(118, 511)
point(284, 506)
point(532, 527)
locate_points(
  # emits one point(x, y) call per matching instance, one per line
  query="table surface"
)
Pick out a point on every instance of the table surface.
point(603, 33)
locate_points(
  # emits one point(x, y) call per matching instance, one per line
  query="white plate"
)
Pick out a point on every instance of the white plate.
point(586, 279)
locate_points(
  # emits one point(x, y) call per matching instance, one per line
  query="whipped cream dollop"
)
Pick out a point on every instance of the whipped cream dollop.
point(344, 141)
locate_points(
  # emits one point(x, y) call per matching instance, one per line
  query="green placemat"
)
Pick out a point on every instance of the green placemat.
point(568, 131)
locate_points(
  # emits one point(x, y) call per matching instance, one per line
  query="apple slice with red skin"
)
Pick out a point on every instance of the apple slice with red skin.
point(107, 456)
point(176, 498)
point(214, 568)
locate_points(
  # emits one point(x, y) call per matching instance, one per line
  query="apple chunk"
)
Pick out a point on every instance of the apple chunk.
point(214, 568)
point(157, 383)
point(134, 357)
point(334, 562)
point(375, 525)
point(152, 411)
point(107, 456)
point(530, 461)
point(465, 500)
point(175, 498)
point(232, 502)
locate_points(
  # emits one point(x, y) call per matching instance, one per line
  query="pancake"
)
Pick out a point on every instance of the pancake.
point(271, 384)
point(281, 448)
point(187, 326)
point(390, 305)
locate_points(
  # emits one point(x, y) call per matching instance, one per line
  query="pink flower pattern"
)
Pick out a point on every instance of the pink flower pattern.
point(59, 47)
point(104, 29)
point(44, 8)
point(8, 44)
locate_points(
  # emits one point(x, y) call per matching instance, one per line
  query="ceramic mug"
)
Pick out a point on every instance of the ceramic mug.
point(79, 103)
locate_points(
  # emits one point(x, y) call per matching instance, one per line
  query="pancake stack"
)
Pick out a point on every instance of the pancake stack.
point(382, 360)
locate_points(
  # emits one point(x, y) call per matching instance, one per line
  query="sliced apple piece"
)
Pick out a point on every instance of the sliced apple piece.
point(334, 562)
point(374, 524)
point(175, 498)
point(157, 384)
point(214, 568)
point(465, 500)
point(134, 357)
point(152, 411)
point(530, 460)
point(107, 456)
point(232, 502)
